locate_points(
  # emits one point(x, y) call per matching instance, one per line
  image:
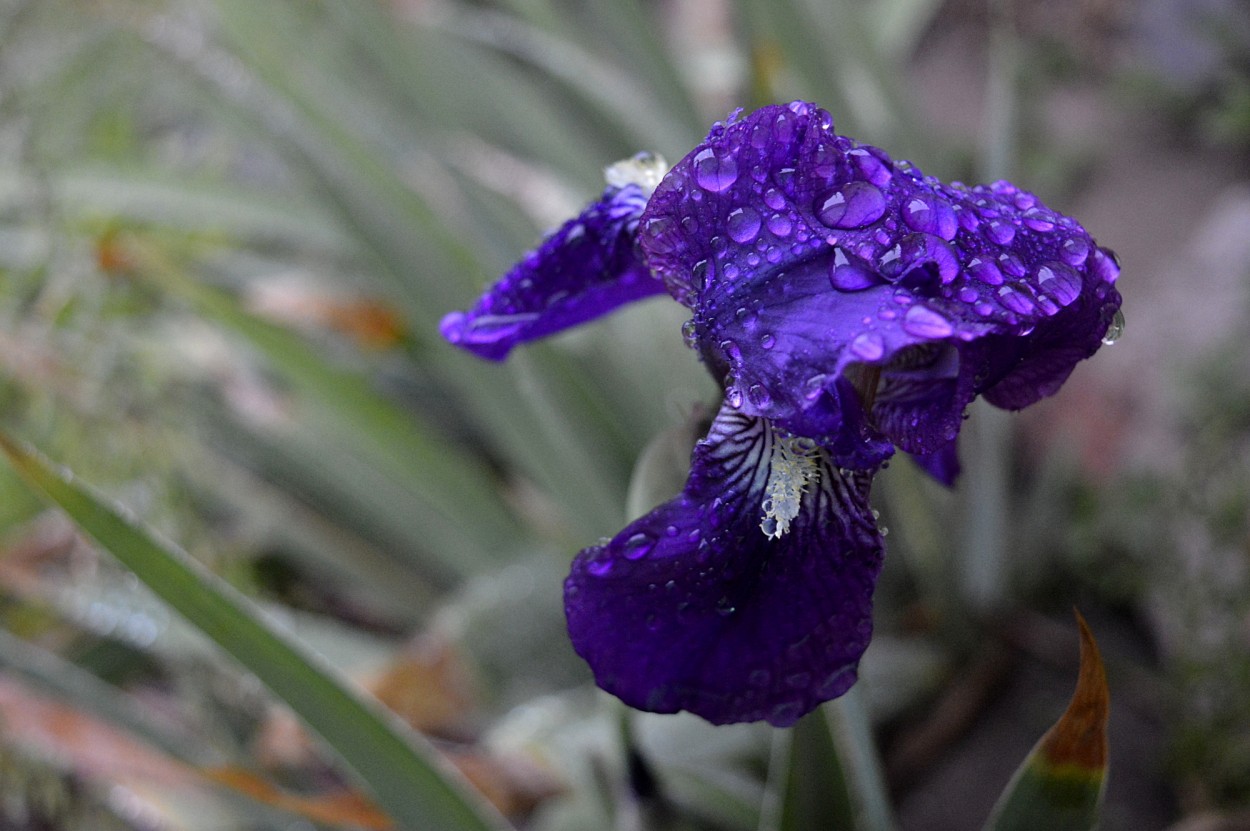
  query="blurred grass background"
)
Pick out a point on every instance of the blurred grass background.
point(228, 229)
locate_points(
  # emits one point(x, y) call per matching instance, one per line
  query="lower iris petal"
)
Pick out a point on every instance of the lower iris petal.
point(694, 607)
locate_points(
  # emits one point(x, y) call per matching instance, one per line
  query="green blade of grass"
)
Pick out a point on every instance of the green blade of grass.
point(400, 769)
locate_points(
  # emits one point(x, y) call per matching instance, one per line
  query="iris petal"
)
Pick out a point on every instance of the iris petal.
point(851, 258)
point(693, 607)
point(587, 268)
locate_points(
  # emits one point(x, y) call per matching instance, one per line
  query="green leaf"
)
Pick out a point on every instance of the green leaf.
point(400, 768)
point(1059, 786)
point(826, 773)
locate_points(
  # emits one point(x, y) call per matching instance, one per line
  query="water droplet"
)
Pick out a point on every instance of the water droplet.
point(780, 224)
point(774, 199)
point(731, 351)
point(925, 212)
point(985, 271)
point(968, 294)
point(638, 546)
point(689, 333)
point(868, 346)
point(1011, 264)
point(872, 166)
point(1104, 265)
point(1074, 251)
point(599, 567)
point(1059, 282)
point(1012, 297)
point(853, 205)
point(713, 173)
point(1039, 220)
point(783, 128)
point(1000, 232)
point(759, 396)
point(849, 273)
point(767, 341)
point(725, 607)
point(743, 224)
point(733, 397)
point(923, 322)
point(659, 236)
point(1115, 329)
point(983, 309)
point(918, 259)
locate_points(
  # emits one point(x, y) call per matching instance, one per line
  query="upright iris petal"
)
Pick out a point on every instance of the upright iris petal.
point(852, 259)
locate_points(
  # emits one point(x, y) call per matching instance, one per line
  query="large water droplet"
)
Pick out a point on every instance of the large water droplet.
point(1013, 297)
point(1000, 232)
point(1074, 251)
point(925, 212)
point(659, 235)
point(923, 322)
point(759, 396)
point(1115, 329)
point(599, 567)
point(780, 224)
point(849, 273)
point(1039, 220)
point(868, 346)
point(731, 351)
point(918, 258)
point(774, 199)
point(733, 397)
point(1059, 282)
point(743, 224)
point(853, 205)
point(985, 271)
point(767, 342)
point(714, 173)
point(872, 166)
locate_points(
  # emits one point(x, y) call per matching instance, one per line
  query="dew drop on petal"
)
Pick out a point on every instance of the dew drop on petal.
point(923, 322)
point(852, 205)
point(1000, 232)
point(689, 334)
point(743, 224)
point(871, 166)
point(638, 546)
point(849, 273)
point(713, 173)
point(779, 224)
point(759, 396)
point(985, 271)
point(733, 397)
point(1011, 264)
point(1014, 299)
point(599, 567)
point(1074, 251)
point(731, 351)
point(1104, 265)
point(1115, 329)
point(774, 199)
point(767, 341)
point(868, 346)
point(1038, 220)
point(1059, 282)
point(925, 212)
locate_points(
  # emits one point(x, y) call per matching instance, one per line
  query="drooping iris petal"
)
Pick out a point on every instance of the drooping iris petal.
point(802, 254)
point(694, 607)
point(587, 268)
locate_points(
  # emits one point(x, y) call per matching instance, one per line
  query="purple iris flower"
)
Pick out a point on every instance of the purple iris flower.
point(851, 306)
